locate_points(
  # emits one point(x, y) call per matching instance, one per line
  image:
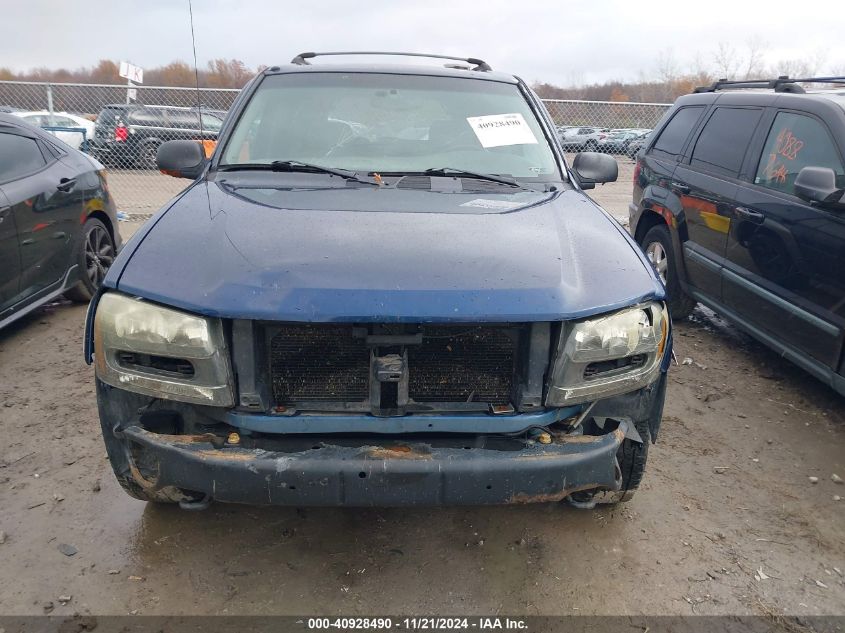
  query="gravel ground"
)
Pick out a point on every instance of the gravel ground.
point(727, 521)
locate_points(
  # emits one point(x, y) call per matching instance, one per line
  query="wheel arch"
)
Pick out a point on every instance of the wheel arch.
point(655, 214)
point(103, 217)
point(648, 219)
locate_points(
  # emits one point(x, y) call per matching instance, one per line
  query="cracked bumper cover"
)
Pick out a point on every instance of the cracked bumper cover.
point(384, 475)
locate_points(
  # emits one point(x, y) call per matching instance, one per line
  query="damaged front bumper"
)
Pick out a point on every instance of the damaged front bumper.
point(378, 473)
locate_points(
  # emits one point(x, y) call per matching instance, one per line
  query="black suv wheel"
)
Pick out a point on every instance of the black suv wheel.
point(147, 155)
point(657, 246)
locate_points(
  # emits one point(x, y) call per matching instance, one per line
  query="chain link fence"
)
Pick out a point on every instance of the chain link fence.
point(123, 125)
point(606, 115)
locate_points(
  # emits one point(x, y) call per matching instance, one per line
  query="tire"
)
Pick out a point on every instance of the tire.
point(95, 254)
point(590, 146)
point(632, 457)
point(147, 156)
point(657, 244)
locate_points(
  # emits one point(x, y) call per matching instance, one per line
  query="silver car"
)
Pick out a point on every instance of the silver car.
point(577, 139)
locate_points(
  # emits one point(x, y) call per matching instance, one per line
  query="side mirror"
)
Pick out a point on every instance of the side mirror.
point(818, 184)
point(593, 168)
point(181, 159)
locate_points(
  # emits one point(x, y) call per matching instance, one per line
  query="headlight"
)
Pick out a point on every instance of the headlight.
point(161, 352)
point(609, 355)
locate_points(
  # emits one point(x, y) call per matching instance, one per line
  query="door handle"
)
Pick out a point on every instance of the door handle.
point(747, 214)
point(66, 184)
point(679, 187)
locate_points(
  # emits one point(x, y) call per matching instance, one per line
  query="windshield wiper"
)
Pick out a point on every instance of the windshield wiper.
point(297, 166)
point(452, 171)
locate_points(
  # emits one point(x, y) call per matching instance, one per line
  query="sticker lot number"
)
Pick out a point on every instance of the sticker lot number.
point(496, 130)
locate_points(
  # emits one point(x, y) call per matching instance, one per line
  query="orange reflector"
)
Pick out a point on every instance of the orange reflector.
point(664, 335)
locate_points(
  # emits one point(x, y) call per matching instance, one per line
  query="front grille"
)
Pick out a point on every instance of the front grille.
point(453, 364)
point(318, 362)
point(460, 365)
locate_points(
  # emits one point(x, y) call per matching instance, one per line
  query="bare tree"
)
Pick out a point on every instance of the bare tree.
point(667, 73)
point(575, 81)
point(725, 60)
point(754, 62)
point(699, 74)
point(804, 67)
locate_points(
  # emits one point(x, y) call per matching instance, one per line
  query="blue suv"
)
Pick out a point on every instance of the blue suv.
point(385, 287)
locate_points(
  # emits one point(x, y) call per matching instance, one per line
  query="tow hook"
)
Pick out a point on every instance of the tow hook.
point(195, 505)
point(582, 500)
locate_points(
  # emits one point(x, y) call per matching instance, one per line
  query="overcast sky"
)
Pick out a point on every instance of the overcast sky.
point(555, 41)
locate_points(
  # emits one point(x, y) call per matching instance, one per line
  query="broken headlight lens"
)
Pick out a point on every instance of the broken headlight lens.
point(161, 352)
point(609, 355)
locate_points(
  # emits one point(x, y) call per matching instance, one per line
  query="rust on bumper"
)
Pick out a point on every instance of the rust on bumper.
point(382, 474)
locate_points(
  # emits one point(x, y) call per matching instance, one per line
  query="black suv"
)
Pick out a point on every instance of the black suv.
point(738, 203)
point(129, 135)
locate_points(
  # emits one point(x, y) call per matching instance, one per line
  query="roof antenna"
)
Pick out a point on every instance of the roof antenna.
point(196, 74)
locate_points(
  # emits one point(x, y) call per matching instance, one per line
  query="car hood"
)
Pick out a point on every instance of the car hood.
point(368, 254)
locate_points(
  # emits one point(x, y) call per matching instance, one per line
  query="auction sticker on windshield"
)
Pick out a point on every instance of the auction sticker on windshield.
point(496, 130)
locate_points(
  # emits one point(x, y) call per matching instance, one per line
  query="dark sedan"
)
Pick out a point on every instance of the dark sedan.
point(58, 223)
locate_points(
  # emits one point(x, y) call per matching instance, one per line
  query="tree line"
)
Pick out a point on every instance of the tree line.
point(668, 80)
point(218, 73)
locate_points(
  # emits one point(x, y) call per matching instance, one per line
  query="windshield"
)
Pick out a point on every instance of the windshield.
point(392, 124)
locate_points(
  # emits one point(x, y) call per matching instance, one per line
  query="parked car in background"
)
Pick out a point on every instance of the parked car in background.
point(43, 119)
point(616, 142)
point(369, 315)
point(130, 135)
point(739, 202)
point(637, 143)
point(58, 223)
point(578, 139)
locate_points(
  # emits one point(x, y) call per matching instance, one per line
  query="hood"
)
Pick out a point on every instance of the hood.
point(368, 254)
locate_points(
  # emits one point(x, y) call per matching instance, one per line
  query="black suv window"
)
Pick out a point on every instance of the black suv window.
point(108, 116)
point(794, 142)
point(19, 156)
point(184, 119)
point(674, 135)
point(142, 116)
point(723, 140)
point(211, 123)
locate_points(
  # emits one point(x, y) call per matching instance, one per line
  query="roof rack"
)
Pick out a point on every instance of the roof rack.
point(479, 64)
point(781, 84)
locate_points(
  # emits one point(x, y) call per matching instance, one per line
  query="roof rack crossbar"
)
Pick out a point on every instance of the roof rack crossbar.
point(479, 64)
point(781, 84)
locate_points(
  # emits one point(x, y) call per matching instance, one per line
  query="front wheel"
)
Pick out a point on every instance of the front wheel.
point(95, 254)
point(631, 458)
point(657, 245)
